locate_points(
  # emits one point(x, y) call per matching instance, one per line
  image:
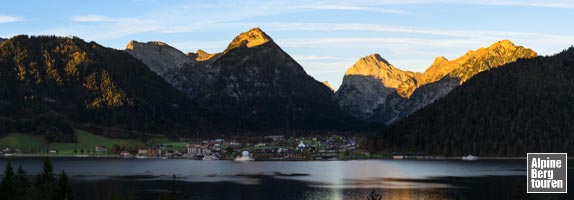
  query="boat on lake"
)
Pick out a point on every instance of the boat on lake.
point(245, 156)
point(470, 157)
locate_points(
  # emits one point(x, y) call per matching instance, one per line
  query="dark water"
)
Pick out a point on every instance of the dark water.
point(106, 178)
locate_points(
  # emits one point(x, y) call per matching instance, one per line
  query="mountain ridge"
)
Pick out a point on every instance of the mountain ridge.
point(52, 85)
point(377, 95)
point(254, 79)
point(510, 110)
point(251, 38)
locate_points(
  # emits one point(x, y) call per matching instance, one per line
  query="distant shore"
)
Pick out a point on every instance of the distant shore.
point(118, 156)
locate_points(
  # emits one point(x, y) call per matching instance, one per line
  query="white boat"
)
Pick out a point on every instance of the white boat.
point(210, 157)
point(244, 157)
point(470, 157)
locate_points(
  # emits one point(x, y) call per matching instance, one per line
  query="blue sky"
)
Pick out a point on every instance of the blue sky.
point(325, 36)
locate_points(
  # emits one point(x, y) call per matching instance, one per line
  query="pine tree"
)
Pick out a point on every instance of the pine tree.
point(21, 184)
point(7, 189)
point(45, 181)
point(63, 192)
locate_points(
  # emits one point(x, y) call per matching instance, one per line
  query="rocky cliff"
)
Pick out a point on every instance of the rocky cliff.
point(161, 57)
point(375, 91)
point(326, 83)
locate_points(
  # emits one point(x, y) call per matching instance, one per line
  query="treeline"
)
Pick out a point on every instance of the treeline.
point(51, 85)
point(47, 185)
point(521, 107)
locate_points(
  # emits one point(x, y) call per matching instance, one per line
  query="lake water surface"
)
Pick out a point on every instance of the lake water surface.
point(109, 178)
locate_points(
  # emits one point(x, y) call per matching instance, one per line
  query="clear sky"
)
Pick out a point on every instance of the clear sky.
point(325, 36)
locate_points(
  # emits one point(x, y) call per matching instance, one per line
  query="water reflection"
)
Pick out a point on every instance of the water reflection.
point(149, 179)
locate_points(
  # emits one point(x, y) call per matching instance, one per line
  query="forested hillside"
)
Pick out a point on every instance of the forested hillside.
point(525, 106)
point(52, 85)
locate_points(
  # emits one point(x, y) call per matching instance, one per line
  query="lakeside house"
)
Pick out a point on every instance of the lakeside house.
point(408, 155)
point(147, 152)
point(8, 150)
point(197, 150)
point(101, 148)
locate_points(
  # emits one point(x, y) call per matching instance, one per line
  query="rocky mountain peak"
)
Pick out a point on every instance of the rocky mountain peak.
point(135, 44)
point(203, 56)
point(367, 84)
point(497, 54)
point(251, 38)
point(374, 66)
point(504, 44)
point(326, 83)
point(376, 58)
point(439, 59)
point(256, 81)
point(374, 90)
point(369, 65)
point(163, 56)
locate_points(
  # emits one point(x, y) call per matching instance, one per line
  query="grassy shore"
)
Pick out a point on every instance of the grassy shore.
point(37, 145)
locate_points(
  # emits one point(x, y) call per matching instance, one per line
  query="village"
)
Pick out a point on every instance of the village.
point(260, 148)
point(266, 148)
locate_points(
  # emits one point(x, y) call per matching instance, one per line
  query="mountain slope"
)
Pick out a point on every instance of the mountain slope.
point(367, 84)
point(508, 111)
point(326, 83)
point(50, 85)
point(386, 94)
point(164, 57)
point(254, 79)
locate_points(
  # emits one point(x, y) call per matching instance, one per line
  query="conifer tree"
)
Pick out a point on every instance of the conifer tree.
point(7, 184)
point(21, 185)
point(63, 192)
point(45, 182)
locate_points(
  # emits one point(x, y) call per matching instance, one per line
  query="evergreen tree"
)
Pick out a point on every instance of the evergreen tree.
point(21, 185)
point(63, 192)
point(45, 182)
point(7, 185)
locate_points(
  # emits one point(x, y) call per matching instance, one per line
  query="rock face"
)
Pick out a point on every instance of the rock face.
point(326, 83)
point(375, 91)
point(367, 84)
point(253, 79)
point(2, 40)
point(161, 57)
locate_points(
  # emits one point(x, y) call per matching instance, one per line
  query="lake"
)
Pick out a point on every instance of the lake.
point(114, 178)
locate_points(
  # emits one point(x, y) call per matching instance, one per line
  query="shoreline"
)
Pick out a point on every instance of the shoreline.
point(118, 156)
point(162, 158)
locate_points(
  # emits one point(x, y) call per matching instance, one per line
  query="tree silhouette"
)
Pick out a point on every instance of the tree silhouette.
point(21, 184)
point(63, 192)
point(7, 187)
point(45, 182)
